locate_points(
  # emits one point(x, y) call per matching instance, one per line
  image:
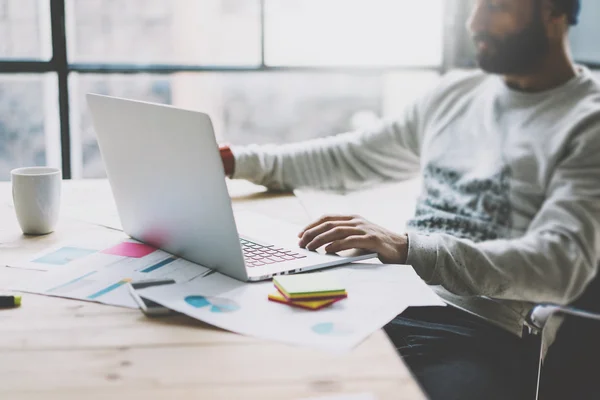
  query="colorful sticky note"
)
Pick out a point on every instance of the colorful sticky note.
point(308, 286)
point(313, 296)
point(306, 304)
point(130, 249)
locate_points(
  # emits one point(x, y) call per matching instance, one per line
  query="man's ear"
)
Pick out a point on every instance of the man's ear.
point(556, 18)
point(557, 12)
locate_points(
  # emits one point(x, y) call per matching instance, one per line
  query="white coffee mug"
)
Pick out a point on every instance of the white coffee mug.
point(36, 195)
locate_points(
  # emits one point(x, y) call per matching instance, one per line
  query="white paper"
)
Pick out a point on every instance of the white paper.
point(376, 294)
point(102, 277)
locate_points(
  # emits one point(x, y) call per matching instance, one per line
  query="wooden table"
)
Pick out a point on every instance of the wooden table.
point(55, 348)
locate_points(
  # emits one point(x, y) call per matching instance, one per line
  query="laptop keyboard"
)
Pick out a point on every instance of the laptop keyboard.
point(256, 254)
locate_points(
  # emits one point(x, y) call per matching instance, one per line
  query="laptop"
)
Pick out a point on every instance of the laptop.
point(168, 181)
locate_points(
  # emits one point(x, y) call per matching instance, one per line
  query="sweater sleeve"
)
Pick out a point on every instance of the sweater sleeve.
point(346, 161)
point(552, 262)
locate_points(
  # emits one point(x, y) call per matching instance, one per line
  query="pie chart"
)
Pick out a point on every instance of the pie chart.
point(332, 328)
point(214, 304)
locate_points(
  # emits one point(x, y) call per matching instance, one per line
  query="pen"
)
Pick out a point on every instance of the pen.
point(10, 301)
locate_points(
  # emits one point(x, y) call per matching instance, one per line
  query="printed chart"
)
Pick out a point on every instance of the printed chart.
point(63, 256)
point(214, 304)
point(75, 250)
point(376, 294)
point(332, 328)
point(102, 274)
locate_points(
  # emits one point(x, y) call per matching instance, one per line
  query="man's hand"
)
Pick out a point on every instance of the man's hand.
point(353, 232)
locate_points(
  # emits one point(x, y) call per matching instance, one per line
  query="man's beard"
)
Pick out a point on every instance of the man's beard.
point(518, 53)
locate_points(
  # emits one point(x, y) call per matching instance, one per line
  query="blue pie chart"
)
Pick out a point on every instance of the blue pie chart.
point(214, 304)
point(331, 328)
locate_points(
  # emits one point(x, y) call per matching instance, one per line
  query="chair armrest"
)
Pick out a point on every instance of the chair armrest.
point(540, 314)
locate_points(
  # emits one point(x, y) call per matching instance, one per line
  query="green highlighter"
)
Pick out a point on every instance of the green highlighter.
point(10, 301)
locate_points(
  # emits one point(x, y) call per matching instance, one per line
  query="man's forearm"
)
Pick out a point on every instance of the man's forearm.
point(345, 161)
point(537, 268)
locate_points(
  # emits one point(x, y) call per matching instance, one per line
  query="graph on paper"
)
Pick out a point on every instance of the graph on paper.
point(101, 272)
point(63, 256)
point(213, 304)
point(332, 329)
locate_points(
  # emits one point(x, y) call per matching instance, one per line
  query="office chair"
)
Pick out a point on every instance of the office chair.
point(570, 368)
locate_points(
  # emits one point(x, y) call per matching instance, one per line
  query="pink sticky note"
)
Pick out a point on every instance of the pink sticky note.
point(128, 249)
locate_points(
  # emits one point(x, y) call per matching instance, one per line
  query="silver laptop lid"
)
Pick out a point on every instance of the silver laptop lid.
point(167, 178)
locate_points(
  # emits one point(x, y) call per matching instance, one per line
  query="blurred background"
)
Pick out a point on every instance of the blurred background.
point(267, 71)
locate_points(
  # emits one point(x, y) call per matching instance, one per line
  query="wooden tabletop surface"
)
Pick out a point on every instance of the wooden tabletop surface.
point(52, 348)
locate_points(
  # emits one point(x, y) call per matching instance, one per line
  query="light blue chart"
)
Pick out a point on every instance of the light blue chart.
point(216, 304)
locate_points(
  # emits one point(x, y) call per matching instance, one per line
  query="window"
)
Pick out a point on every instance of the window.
point(25, 30)
point(189, 32)
point(29, 127)
point(355, 33)
point(585, 49)
point(250, 107)
point(265, 70)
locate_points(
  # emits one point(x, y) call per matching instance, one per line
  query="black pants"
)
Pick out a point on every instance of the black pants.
point(455, 355)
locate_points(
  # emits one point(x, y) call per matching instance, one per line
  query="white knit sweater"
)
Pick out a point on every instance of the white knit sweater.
point(509, 213)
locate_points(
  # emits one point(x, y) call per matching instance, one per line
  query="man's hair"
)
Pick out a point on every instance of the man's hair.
point(570, 8)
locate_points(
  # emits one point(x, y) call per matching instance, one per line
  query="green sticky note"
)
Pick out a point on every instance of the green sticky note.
point(308, 284)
